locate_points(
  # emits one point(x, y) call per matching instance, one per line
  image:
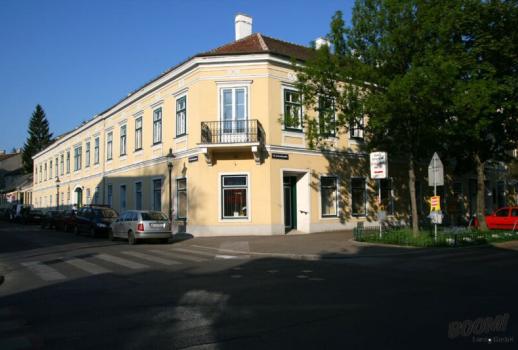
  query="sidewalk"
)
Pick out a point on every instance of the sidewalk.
point(314, 246)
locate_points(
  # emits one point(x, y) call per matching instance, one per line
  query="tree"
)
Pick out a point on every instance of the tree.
point(484, 101)
point(39, 137)
point(390, 66)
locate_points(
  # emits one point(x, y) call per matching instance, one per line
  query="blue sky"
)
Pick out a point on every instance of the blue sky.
point(76, 58)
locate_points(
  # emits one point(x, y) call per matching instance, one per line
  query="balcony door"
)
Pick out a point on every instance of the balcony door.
point(234, 114)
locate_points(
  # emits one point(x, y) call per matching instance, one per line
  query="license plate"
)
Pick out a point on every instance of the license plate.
point(158, 225)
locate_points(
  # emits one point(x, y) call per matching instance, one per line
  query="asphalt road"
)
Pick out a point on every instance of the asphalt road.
point(67, 292)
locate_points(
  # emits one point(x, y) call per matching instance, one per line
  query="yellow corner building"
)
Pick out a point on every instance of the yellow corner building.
point(237, 167)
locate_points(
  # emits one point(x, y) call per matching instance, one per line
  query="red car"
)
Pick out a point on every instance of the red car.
point(503, 219)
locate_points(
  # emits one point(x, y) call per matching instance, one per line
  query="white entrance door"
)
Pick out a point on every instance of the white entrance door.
point(234, 115)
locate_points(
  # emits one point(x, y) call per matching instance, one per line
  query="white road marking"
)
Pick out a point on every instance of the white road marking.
point(120, 261)
point(169, 253)
point(87, 266)
point(191, 251)
point(226, 257)
point(43, 271)
point(152, 258)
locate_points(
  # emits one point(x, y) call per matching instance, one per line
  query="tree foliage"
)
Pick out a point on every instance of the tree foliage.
point(39, 137)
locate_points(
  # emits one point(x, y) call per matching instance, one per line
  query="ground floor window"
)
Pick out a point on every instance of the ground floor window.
point(358, 197)
point(110, 195)
point(157, 195)
point(138, 195)
point(181, 198)
point(123, 197)
point(329, 196)
point(234, 190)
point(387, 201)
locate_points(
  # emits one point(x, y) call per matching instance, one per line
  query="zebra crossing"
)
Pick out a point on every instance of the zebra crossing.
point(106, 263)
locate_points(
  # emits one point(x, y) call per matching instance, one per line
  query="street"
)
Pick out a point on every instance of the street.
point(71, 292)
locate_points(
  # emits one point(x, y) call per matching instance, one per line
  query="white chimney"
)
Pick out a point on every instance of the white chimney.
point(243, 26)
point(319, 42)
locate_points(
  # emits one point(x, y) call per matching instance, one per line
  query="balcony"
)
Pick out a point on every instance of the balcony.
point(231, 135)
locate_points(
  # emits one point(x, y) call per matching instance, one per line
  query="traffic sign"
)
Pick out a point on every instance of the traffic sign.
point(379, 165)
point(435, 172)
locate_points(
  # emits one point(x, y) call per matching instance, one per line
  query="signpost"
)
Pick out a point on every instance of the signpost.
point(379, 170)
point(435, 178)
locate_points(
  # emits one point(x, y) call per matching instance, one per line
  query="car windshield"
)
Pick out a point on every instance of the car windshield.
point(153, 215)
point(105, 213)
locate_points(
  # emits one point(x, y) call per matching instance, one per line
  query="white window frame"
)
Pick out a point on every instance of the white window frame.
point(365, 199)
point(97, 150)
point(283, 104)
point(109, 146)
point(157, 126)
point(179, 132)
point(123, 140)
point(248, 218)
point(337, 206)
point(139, 132)
point(152, 193)
point(186, 199)
point(141, 194)
point(125, 207)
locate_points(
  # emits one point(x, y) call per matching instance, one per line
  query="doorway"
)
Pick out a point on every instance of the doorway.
point(79, 197)
point(290, 203)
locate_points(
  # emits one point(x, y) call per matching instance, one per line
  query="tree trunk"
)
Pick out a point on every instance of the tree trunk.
point(481, 191)
point(413, 202)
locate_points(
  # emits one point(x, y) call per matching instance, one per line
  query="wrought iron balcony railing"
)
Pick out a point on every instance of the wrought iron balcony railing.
point(231, 131)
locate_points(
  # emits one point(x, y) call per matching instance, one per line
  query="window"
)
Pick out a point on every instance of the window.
point(88, 196)
point(77, 158)
point(62, 164)
point(96, 150)
point(157, 126)
point(56, 167)
point(329, 196)
point(36, 174)
point(514, 212)
point(68, 162)
point(138, 195)
point(87, 155)
point(234, 111)
point(234, 196)
point(502, 212)
point(326, 116)
point(356, 129)
point(292, 110)
point(45, 174)
point(96, 195)
point(123, 198)
point(387, 201)
point(68, 195)
point(41, 173)
point(181, 198)
point(123, 141)
point(110, 195)
point(157, 194)
point(109, 146)
point(50, 170)
point(358, 195)
point(138, 134)
point(181, 116)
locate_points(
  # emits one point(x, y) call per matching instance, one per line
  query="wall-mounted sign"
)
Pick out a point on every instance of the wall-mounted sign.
point(280, 156)
point(193, 159)
point(379, 165)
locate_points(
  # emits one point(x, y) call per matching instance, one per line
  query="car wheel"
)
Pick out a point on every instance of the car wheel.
point(131, 238)
point(110, 235)
point(92, 232)
point(76, 230)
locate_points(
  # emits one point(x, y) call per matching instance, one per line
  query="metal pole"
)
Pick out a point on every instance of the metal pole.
point(435, 189)
point(170, 195)
point(379, 204)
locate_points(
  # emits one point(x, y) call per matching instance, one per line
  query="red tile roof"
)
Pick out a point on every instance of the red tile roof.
point(258, 43)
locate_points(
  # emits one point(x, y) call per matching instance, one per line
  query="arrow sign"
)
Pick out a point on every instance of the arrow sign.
point(435, 172)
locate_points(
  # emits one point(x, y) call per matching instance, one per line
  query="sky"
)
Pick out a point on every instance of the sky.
point(77, 58)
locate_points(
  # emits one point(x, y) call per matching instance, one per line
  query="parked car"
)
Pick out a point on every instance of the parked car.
point(50, 219)
point(137, 225)
point(31, 216)
point(503, 219)
point(66, 220)
point(94, 220)
point(5, 214)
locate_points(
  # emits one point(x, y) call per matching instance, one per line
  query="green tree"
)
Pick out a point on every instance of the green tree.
point(390, 66)
point(39, 137)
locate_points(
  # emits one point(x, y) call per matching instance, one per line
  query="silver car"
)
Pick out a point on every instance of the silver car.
point(136, 225)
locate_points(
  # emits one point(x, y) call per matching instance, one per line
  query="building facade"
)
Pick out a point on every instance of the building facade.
point(233, 120)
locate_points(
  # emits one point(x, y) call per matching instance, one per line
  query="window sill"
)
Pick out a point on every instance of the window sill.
point(181, 137)
point(295, 130)
point(123, 157)
point(334, 217)
point(138, 151)
point(156, 146)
